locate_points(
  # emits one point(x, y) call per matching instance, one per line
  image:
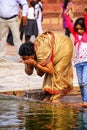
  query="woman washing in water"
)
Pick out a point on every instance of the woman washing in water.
point(51, 55)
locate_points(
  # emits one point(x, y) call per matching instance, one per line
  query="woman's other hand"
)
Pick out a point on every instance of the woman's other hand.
point(29, 61)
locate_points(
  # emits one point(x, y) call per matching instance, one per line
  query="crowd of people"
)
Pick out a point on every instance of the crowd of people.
point(50, 54)
point(34, 20)
point(19, 18)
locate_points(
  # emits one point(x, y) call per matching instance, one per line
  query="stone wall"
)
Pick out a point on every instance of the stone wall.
point(52, 10)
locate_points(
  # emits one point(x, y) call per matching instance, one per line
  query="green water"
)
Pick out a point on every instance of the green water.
point(18, 114)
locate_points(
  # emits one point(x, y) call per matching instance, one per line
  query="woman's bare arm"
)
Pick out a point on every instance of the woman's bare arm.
point(39, 72)
point(39, 68)
point(45, 69)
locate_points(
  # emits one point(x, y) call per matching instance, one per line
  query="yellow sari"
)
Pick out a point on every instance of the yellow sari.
point(59, 49)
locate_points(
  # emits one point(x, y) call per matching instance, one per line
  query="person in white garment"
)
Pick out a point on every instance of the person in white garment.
point(31, 27)
point(9, 10)
point(38, 14)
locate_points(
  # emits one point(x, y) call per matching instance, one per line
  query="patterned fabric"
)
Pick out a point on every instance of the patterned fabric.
point(81, 52)
point(60, 82)
point(79, 41)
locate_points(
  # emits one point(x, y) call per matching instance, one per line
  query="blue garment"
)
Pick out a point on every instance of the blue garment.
point(81, 70)
point(9, 8)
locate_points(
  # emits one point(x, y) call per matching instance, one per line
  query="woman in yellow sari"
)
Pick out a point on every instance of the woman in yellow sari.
point(50, 55)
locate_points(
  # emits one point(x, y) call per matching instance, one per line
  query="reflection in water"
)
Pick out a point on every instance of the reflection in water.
point(25, 115)
point(82, 116)
point(51, 117)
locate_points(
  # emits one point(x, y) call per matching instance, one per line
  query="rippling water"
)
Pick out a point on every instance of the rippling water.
point(18, 114)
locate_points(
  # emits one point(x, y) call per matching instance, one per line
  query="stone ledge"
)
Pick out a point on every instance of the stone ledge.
point(36, 94)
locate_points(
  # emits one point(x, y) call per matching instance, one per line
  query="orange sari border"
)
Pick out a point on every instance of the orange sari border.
point(67, 90)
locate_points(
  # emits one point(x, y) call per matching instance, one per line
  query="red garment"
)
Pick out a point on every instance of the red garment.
point(75, 34)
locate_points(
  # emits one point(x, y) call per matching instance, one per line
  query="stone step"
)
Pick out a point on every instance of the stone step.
point(36, 94)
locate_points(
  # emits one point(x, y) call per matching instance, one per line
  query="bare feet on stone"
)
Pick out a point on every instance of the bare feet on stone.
point(46, 99)
point(83, 105)
point(55, 101)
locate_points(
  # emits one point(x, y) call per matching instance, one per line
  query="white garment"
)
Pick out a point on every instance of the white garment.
point(9, 8)
point(31, 13)
point(81, 52)
point(38, 14)
point(14, 27)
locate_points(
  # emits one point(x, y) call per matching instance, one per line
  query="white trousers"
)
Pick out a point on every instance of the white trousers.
point(39, 25)
point(4, 30)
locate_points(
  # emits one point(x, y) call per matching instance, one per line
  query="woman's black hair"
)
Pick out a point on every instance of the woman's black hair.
point(27, 49)
point(38, 1)
point(32, 3)
point(81, 22)
point(66, 3)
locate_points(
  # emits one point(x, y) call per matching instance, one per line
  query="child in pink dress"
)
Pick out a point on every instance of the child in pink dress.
point(79, 31)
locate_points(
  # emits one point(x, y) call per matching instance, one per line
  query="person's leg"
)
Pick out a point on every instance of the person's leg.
point(79, 71)
point(39, 25)
point(27, 38)
point(21, 35)
point(14, 27)
point(67, 32)
point(10, 38)
point(84, 82)
point(3, 37)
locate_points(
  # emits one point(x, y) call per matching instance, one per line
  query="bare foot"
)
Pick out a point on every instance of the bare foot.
point(83, 105)
point(46, 99)
point(55, 101)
